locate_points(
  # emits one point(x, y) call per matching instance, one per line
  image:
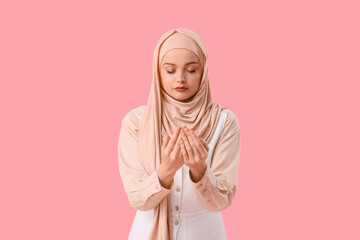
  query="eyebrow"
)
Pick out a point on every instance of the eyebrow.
point(185, 64)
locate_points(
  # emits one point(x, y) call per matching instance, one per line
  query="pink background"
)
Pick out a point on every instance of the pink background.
point(71, 70)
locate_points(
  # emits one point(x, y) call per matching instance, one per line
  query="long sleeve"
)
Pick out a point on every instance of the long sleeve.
point(216, 189)
point(143, 190)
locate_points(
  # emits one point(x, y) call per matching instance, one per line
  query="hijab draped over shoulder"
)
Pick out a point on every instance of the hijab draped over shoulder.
point(163, 114)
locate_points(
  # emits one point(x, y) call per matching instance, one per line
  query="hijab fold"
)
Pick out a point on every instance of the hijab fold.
point(163, 114)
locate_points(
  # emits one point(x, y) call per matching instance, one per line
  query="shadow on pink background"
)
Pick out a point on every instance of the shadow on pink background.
point(71, 70)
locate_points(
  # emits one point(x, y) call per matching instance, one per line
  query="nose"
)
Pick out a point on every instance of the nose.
point(181, 77)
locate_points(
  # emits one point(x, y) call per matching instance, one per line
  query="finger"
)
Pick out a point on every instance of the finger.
point(196, 144)
point(173, 140)
point(188, 147)
point(183, 151)
point(166, 141)
point(177, 147)
point(205, 145)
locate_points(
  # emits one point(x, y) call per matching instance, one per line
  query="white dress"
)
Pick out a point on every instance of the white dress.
point(190, 220)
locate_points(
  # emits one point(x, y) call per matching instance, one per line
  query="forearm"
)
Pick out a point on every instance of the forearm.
point(148, 193)
point(215, 194)
point(166, 177)
point(197, 174)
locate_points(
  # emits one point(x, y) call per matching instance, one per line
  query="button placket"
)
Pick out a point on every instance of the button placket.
point(176, 200)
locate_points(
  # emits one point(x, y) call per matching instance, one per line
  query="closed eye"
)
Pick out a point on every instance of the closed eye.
point(174, 71)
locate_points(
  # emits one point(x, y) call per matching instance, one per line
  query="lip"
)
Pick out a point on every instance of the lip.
point(181, 89)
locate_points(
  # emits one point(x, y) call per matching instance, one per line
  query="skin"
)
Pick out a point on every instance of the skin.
point(195, 152)
point(181, 67)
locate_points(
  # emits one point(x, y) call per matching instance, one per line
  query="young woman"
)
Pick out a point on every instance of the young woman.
point(179, 154)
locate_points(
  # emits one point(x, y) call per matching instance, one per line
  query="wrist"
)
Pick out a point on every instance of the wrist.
point(197, 174)
point(165, 176)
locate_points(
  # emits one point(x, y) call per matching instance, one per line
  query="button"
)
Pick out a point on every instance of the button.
point(178, 188)
point(177, 208)
point(177, 222)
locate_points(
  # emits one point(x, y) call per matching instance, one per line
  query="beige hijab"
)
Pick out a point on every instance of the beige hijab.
point(163, 114)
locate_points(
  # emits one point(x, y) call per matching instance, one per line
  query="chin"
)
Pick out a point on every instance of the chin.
point(187, 99)
point(181, 99)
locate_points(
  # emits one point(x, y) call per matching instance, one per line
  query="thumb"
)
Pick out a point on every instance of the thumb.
point(204, 144)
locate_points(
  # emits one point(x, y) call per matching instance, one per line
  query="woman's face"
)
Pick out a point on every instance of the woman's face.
point(180, 68)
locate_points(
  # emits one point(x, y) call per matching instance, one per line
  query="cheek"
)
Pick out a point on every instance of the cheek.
point(166, 82)
point(197, 80)
point(162, 77)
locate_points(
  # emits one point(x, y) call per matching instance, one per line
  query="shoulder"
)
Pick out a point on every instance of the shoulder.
point(231, 122)
point(131, 119)
point(134, 114)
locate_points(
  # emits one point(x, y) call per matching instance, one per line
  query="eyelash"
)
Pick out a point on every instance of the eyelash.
point(174, 71)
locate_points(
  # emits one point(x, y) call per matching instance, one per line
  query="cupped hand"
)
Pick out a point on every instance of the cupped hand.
point(195, 152)
point(170, 149)
point(171, 157)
